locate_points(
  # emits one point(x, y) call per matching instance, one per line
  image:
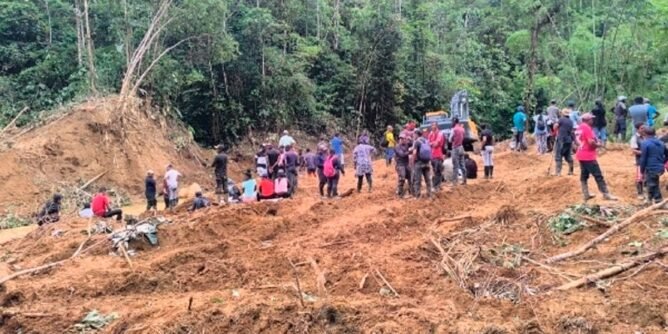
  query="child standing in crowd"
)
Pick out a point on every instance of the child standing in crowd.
point(487, 140)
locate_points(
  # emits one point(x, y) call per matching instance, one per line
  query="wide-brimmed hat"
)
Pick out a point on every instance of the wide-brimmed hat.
point(565, 112)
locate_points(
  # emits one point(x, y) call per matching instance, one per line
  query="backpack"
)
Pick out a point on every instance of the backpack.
point(425, 150)
point(328, 168)
point(540, 124)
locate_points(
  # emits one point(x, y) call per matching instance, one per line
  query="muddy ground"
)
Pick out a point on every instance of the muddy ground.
point(228, 269)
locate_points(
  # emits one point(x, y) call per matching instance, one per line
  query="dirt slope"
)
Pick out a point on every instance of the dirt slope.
point(233, 263)
point(84, 143)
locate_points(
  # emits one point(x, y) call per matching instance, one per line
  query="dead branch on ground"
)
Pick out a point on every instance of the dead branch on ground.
point(299, 288)
point(594, 220)
point(614, 270)
point(614, 229)
point(389, 286)
point(320, 280)
point(46, 266)
point(13, 121)
point(97, 177)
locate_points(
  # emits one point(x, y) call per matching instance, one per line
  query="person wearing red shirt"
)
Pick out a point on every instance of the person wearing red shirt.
point(586, 155)
point(101, 206)
point(457, 139)
point(266, 189)
point(436, 141)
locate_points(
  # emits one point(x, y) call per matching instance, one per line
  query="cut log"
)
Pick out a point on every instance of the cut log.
point(614, 270)
point(93, 180)
point(614, 229)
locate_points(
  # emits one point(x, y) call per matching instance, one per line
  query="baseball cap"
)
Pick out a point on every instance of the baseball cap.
point(588, 116)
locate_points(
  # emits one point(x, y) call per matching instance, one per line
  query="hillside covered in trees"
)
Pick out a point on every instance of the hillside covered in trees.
point(228, 67)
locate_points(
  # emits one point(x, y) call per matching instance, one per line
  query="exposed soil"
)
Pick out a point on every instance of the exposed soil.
point(234, 264)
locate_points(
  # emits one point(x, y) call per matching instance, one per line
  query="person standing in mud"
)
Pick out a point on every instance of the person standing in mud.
point(362, 160)
point(586, 155)
point(402, 153)
point(457, 153)
point(172, 181)
point(220, 174)
point(332, 169)
point(487, 149)
point(422, 156)
point(320, 164)
point(437, 142)
point(636, 148)
point(273, 156)
point(150, 191)
point(290, 163)
point(563, 149)
point(552, 119)
point(652, 166)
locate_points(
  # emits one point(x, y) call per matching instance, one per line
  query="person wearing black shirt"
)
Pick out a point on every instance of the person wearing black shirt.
point(422, 163)
point(220, 173)
point(291, 161)
point(51, 211)
point(600, 123)
point(272, 159)
point(564, 146)
point(150, 192)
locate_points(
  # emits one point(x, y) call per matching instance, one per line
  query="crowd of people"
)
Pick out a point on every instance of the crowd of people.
point(568, 132)
point(430, 157)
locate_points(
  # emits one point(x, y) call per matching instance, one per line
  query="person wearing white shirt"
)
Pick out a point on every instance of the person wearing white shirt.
point(172, 180)
point(286, 140)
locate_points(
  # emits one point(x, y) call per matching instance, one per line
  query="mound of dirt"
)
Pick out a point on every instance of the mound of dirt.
point(85, 142)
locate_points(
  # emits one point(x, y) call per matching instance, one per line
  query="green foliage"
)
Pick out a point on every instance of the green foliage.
point(271, 64)
point(11, 220)
point(565, 224)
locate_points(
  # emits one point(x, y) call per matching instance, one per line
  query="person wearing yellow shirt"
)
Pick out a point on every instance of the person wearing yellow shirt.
point(389, 143)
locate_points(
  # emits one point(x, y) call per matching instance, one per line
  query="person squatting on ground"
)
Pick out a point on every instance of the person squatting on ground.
point(563, 149)
point(437, 143)
point(363, 162)
point(636, 142)
point(586, 155)
point(621, 114)
point(266, 189)
point(249, 188)
point(172, 181)
point(389, 143)
point(332, 168)
point(520, 125)
point(471, 167)
point(402, 152)
point(50, 213)
point(540, 133)
point(150, 191)
point(652, 160)
point(600, 124)
point(422, 154)
point(220, 174)
point(282, 185)
point(487, 150)
point(199, 202)
point(457, 154)
point(101, 206)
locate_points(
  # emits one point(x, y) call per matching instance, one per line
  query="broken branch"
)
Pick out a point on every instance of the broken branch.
point(299, 288)
point(386, 282)
point(614, 229)
point(614, 270)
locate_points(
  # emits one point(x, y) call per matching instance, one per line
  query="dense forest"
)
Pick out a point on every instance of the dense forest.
point(233, 66)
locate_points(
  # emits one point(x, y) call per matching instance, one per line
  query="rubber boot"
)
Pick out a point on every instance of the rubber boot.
point(570, 168)
point(557, 168)
point(640, 190)
point(609, 197)
point(370, 182)
point(491, 172)
point(585, 192)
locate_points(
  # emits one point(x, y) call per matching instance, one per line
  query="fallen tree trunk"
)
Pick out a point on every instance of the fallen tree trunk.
point(614, 270)
point(614, 229)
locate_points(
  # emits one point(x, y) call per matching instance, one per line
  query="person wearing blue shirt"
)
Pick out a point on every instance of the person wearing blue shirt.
point(520, 124)
point(337, 145)
point(652, 156)
point(652, 113)
point(573, 114)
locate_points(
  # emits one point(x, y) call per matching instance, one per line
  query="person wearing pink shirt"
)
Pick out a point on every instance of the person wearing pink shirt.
point(586, 156)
